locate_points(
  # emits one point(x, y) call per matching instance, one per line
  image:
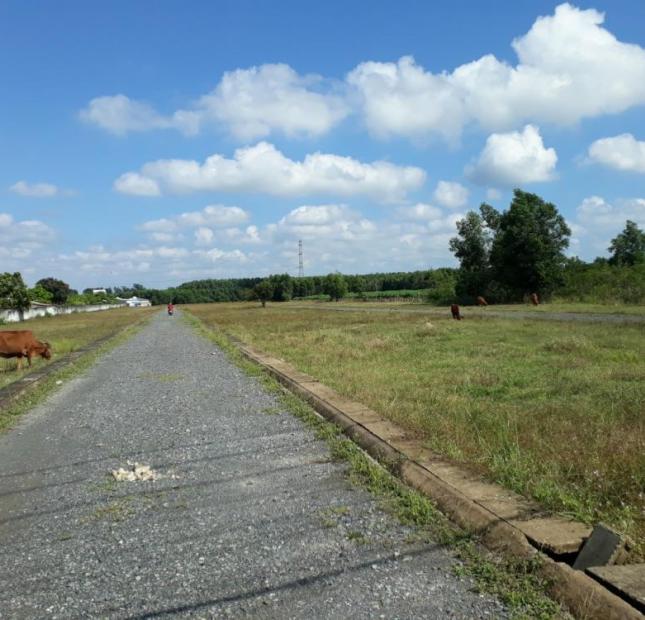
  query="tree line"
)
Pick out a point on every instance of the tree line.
point(503, 256)
point(15, 295)
point(284, 287)
point(508, 255)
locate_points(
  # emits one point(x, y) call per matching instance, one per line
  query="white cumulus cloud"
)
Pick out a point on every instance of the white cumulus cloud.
point(35, 190)
point(249, 103)
point(18, 239)
point(119, 114)
point(203, 235)
point(212, 216)
point(403, 99)
point(451, 194)
point(598, 221)
point(569, 68)
point(263, 168)
point(253, 103)
point(136, 185)
point(215, 255)
point(322, 222)
point(419, 212)
point(514, 158)
point(622, 152)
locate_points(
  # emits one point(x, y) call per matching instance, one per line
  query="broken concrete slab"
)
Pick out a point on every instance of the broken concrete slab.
point(553, 534)
point(626, 581)
point(601, 549)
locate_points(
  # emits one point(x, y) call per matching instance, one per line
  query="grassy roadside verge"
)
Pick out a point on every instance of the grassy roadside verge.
point(552, 410)
point(69, 333)
point(515, 583)
point(10, 415)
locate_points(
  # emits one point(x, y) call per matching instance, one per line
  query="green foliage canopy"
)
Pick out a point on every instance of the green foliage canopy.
point(263, 291)
point(13, 292)
point(38, 293)
point(335, 286)
point(472, 247)
point(628, 248)
point(282, 287)
point(527, 254)
point(518, 251)
point(59, 290)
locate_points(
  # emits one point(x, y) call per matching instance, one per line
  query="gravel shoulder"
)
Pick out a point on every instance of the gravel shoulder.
point(250, 516)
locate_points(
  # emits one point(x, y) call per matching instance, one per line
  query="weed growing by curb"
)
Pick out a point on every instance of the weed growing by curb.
point(516, 583)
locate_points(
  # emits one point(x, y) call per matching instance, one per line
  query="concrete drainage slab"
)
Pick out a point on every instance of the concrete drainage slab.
point(508, 522)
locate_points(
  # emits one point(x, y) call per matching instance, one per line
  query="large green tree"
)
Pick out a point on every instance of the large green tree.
point(527, 253)
point(335, 286)
point(263, 291)
point(471, 247)
point(506, 255)
point(472, 244)
point(628, 248)
point(13, 292)
point(60, 290)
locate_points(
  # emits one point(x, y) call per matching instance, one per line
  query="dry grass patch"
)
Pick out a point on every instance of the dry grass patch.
point(553, 410)
point(70, 332)
point(559, 307)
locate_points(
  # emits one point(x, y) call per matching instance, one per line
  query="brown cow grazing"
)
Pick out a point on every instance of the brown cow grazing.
point(454, 310)
point(481, 301)
point(535, 300)
point(21, 344)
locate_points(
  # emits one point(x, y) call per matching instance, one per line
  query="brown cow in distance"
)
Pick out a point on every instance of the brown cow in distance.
point(481, 301)
point(535, 300)
point(21, 344)
point(454, 310)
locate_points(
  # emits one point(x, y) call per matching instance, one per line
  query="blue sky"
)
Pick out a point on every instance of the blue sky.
point(168, 141)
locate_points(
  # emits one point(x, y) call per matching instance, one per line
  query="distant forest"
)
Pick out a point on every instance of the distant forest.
point(286, 287)
point(503, 255)
point(595, 282)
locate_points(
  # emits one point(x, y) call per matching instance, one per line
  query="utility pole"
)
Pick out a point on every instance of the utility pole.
point(301, 270)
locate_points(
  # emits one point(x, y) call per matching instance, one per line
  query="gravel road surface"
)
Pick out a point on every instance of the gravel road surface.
point(249, 518)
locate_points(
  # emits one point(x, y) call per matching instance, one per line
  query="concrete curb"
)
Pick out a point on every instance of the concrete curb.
point(581, 594)
point(15, 390)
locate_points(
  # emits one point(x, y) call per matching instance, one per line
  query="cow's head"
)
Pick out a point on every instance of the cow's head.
point(44, 350)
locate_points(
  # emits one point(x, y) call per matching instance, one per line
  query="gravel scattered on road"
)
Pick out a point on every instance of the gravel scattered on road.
point(249, 517)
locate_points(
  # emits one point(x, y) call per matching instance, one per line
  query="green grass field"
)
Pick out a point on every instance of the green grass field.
point(570, 307)
point(67, 333)
point(556, 307)
point(553, 410)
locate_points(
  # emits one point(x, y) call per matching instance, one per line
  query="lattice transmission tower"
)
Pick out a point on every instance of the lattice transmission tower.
point(301, 269)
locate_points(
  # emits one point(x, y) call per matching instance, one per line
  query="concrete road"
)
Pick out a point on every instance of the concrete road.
point(249, 518)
